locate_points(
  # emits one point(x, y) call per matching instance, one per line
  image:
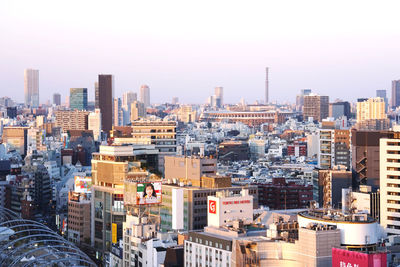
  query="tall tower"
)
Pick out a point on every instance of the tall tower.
point(145, 95)
point(395, 93)
point(78, 98)
point(219, 93)
point(266, 86)
point(106, 98)
point(31, 87)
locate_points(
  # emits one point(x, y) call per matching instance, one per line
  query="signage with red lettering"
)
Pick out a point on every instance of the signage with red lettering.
point(346, 258)
point(212, 206)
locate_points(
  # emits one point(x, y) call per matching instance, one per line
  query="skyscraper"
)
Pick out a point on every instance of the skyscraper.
point(219, 93)
point(316, 106)
point(145, 95)
point(31, 87)
point(395, 93)
point(78, 98)
point(137, 111)
point(106, 97)
point(96, 95)
point(56, 99)
point(382, 94)
point(266, 86)
point(117, 112)
point(127, 99)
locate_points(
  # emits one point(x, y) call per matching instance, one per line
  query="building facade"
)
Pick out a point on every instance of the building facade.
point(31, 88)
point(316, 107)
point(106, 96)
point(78, 98)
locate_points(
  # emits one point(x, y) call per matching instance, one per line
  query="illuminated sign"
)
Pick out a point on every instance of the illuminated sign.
point(212, 206)
point(148, 193)
point(83, 184)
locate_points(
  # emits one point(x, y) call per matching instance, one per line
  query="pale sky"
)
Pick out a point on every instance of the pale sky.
point(345, 49)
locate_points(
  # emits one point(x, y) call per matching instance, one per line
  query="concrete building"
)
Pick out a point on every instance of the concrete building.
point(110, 168)
point(331, 182)
point(106, 96)
point(72, 119)
point(79, 220)
point(282, 195)
point(339, 109)
point(16, 138)
point(162, 135)
point(382, 94)
point(389, 183)
point(189, 168)
point(300, 99)
point(219, 93)
point(233, 151)
point(31, 88)
point(334, 148)
point(118, 112)
point(78, 98)
point(371, 109)
point(316, 107)
point(144, 95)
point(395, 101)
point(56, 99)
point(224, 208)
point(363, 200)
point(187, 114)
point(138, 111)
point(127, 99)
point(365, 156)
point(94, 124)
point(185, 206)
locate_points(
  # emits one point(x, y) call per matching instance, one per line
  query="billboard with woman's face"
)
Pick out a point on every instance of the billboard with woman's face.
point(148, 193)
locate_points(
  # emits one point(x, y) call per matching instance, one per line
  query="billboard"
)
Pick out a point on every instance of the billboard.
point(346, 258)
point(212, 206)
point(148, 193)
point(83, 184)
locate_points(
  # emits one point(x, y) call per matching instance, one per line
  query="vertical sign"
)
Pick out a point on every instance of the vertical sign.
point(114, 233)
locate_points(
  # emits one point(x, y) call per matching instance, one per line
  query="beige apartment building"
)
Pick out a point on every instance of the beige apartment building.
point(72, 119)
point(371, 109)
point(390, 183)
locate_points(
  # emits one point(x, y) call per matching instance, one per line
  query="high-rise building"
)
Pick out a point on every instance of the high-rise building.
point(94, 124)
point(316, 106)
point(145, 95)
point(117, 112)
point(127, 99)
point(339, 109)
point(334, 148)
point(137, 111)
point(106, 97)
point(96, 95)
point(266, 86)
point(371, 109)
point(382, 94)
point(31, 87)
point(300, 98)
point(110, 168)
point(365, 156)
point(219, 93)
point(78, 98)
point(56, 99)
point(79, 205)
point(395, 93)
point(175, 100)
point(389, 183)
point(17, 138)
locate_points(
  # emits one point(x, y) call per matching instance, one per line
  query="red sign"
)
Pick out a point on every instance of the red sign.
point(235, 202)
point(346, 258)
point(212, 206)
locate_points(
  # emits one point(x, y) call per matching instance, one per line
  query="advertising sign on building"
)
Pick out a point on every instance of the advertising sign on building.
point(212, 206)
point(346, 258)
point(114, 233)
point(148, 193)
point(83, 184)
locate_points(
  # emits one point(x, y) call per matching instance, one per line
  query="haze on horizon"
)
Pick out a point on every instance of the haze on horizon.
point(346, 49)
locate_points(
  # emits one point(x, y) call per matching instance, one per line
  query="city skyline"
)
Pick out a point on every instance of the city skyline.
point(187, 54)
